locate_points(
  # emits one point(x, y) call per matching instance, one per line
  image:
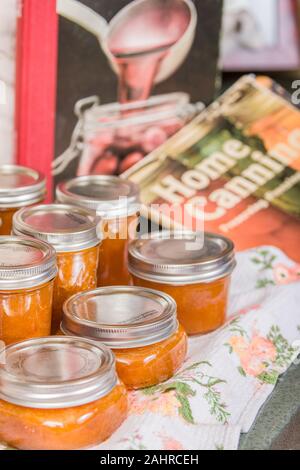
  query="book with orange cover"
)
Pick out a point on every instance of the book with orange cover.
point(239, 161)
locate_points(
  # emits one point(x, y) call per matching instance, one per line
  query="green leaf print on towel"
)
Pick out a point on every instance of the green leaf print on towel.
point(264, 259)
point(181, 385)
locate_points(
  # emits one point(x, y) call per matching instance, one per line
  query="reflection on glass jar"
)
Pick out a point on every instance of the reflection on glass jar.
point(139, 325)
point(116, 201)
point(27, 272)
point(194, 271)
point(59, 393)
point(72, 231)
point(19, 187)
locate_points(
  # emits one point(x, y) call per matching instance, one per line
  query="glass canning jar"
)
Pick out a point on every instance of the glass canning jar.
point(19, 186)
point(72, 231)
point(116, 201)
point(109, 138)
point(27, 272)
point(139, 325)
point(194, 270)
point(59, 393)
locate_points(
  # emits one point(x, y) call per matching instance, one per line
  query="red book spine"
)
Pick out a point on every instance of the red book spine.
point(36, 85)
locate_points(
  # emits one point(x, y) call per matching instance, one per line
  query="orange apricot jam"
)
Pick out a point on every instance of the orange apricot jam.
point(72, 231)
point(6, 217)
point(139, 325)
point(116, 201)
point(77, 272)
point(201, 308)
point(19, 187)
point(113, 254)
point(59, 393)
point(194, 270)
point(163, 359)
point(27, 272)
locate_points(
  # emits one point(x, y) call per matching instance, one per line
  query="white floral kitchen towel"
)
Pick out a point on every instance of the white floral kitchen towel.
point(229, 373)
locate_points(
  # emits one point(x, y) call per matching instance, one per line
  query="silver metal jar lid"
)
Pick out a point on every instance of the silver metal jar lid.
point(175, 258)
point(121, 316)
point(65, 227)
point(56, 372)
point(20, 186)
point(109, 196)
point(25, 262)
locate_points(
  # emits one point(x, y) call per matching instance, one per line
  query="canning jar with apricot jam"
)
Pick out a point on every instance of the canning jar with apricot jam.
point(139, 325)
point(59, 393)
point(19, 187)
point(72, 231)
point(193, 268)
point(27, 272)
point(116, 201)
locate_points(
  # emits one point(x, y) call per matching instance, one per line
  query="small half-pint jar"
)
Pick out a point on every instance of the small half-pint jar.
point(194, 269)
point(139, 325)
point(59, 393)
point(19, 186)
point(27, 272)
point(116, 201)
point(72, 231)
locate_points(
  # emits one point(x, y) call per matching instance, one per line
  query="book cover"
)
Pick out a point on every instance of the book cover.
point(236, 164)
point(114, 102)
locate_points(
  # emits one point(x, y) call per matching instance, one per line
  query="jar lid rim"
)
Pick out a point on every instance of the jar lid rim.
point(28, 189)
point(137, 316)
point(165, 257)
point(26, 260)
point(56, 372)
point(117, 197)
point(66, 227)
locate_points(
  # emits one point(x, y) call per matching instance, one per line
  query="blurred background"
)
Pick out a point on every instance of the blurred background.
point(234, 36)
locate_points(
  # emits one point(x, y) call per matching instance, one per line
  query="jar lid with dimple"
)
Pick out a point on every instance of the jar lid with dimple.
point(25, 262)
point(121, 316)
point(20, 186)
point(66, 227)
point(109, 196)
point(181, 257)
point(56, 372)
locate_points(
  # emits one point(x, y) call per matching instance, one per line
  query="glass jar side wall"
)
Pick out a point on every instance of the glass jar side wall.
point(113, 264)
point(63, 429)
point(149, 365)
point(201, 308)
point(77, 271)
point(26, 313)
